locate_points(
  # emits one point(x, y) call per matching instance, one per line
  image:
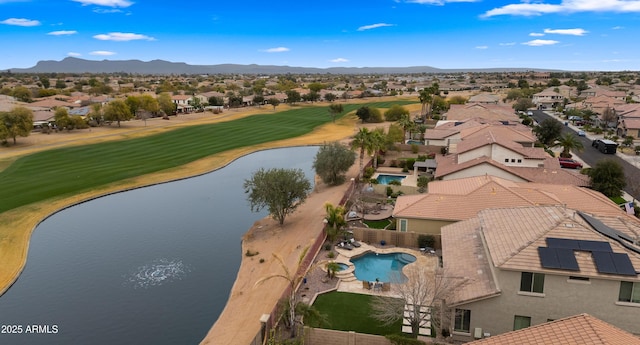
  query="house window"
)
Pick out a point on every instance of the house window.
point(403, 225)
point(513, 160)
point(532, 282)
point(506, 160)
point(519, 160)
point(462, 321)
point(629, 292)
point(520, 322)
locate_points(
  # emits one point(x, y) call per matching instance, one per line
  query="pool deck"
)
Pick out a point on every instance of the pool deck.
point(349, 283)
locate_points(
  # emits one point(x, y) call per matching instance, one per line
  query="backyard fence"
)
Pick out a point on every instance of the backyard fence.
point(394, 238)
point(317, 336)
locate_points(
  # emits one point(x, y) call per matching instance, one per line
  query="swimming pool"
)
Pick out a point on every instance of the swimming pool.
point(384, 267)
point(414, 142)
point(342, 266)
point(385, 179)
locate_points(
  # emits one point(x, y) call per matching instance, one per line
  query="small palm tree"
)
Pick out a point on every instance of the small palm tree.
point(335, 220)
point(406, 124)
point(568, 142)
point(332, 268)
point(294, 279)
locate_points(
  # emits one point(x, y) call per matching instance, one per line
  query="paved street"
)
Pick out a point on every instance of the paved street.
point(590, 155)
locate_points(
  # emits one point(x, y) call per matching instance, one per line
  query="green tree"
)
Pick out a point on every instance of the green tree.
point(316, 87)
point(330, 97)
point(133, 102)
point(335, 219)
point(293, 96)
point(61, 116)
point(457, 99)
point(522, 104)
point(22, 94)
point(216, 101)
point(363, 113)
point(334, 110)
point(569, 142)
point(117, 110)
point(362, 142)
point(17, 122)
point(166, 104)
point(607, 177)
point(195, 102)
point(4, 132)
point(378, 142)
point(332, 162)
point(280, 190)
point(548, 131)
point(258, 99)
point(395, 134)
point(273, 102)
point(395, 112)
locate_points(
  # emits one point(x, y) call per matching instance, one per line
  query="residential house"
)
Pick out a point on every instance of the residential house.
point(525, 266)
point(628, 123)
point(582, 329)
point(548, 99)
point(451, 201)
point(495, 112)
point(484, 98)
point(183, 104)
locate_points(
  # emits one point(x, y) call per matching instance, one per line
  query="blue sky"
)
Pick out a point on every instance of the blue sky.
point(598, 35)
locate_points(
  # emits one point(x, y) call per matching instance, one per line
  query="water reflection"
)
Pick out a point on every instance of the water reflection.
point(153, 265)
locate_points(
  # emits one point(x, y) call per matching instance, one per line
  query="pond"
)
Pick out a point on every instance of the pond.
point(153, 265)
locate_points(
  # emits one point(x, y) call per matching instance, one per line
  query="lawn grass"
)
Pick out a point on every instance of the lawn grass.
point(67, 171)
point(352, 312)
point(618, 199)
point(377, 224)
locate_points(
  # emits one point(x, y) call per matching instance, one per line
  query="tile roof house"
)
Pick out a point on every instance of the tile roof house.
point(628, 120)
point(486, 98)
point(582, 329)
point(454, 200)
point(526, 266)
point(458, 112)
point(447, 132)
point(548, 99)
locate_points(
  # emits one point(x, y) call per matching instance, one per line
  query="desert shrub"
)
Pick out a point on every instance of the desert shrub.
point(331, 255)
point(414, 148)
point(426, 241)
point(368, 172)
point(395, 183)
point(374, 181)
point(327, 246)
point(389, 191)
point(410, 163)
point(393, 163)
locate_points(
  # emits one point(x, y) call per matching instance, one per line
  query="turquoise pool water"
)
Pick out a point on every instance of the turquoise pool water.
point(384, 267)
point(417, 142)
point(385, 179)
point(342, 266)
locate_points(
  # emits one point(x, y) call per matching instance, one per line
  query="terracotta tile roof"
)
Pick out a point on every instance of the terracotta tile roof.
point(511, 237)
point(478, 110)
point(582, 329)
point(461, 199)
point(52, 103)
point(516, 133)
point(489, 136)
point(464, 255)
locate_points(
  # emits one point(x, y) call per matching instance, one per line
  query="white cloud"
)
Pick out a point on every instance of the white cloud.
point(508, 44)
point(373, 26)
point(102, 53)
point(107, 3)
point(538, 8)
point(62, 32)
point(122, 36)
point(536, 34)
point(74, 54)
point(538, 43)
point(104, 10)
point(20, 22)
point(482, 47)
point(573, 32)
point(339, 60)
point(276, 50)
point(617, 28)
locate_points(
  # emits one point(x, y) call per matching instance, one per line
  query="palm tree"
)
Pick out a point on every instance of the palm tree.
point(294, 279)
point(335, 220)
point(362, 141)
point(332, 268)
point(406, 124)
point(568, 142)
point(425, 98)
point(378, 142)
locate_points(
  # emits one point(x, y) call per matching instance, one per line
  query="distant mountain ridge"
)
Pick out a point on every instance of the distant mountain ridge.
point(161, 67)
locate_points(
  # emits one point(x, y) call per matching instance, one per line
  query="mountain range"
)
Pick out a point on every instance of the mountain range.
point(161, 67)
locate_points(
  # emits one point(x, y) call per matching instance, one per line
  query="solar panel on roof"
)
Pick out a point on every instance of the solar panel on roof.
point(595, 246)
point(567, 259)
point(562, 243)
point(623, 264)
point(604, 262)
point(548, 257)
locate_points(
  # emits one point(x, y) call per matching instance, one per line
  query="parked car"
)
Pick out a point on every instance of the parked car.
point(581, 133)
point(605, 145)
point(529, 113)
point(570, 163)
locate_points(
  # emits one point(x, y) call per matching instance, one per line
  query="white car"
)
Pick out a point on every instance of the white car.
point(581, 133)
point(529, 113)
